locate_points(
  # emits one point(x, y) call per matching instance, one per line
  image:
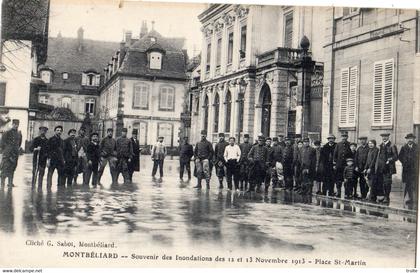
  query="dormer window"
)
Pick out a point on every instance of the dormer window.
point(46, 76)
point(65, 76)
point(91, 79)
point(153, 39)
point(155, 60)
point(155, 55)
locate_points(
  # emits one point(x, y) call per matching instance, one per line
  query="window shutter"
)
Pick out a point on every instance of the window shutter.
point(352, 106)
point(388, 91)
point(98, 80)
point(2, 93)
point(383, 92)
point(344, 91)
point(377, 93)
point(84, 79)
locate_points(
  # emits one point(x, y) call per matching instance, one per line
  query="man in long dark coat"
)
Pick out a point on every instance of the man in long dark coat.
point(258, 158)
point(360, 162)
point(39, 147)
point(10, 147)
point(244, 163)
point(70, 157)
point(296, 167)
point(219, 160)
point(341, 153)
point(307, 161)
point(82, 142)
point(93, 155)
point(124, 155)
point(288, 160)
point(327, 166)
point(134, 165)
point(385, 166)
point(186, 152)
point(55, 159)
point(409, 157)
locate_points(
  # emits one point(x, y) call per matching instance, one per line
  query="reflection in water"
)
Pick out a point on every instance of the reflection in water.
point(6, 210)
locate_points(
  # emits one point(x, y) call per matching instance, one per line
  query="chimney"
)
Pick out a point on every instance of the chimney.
point(128, 36)
point(80, 38)
point(143, 30)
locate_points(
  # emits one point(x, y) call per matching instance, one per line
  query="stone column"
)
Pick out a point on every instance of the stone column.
point(249, 107)
point(279, 89)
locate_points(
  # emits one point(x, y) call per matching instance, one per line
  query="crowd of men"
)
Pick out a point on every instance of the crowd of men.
point(364, 170)
point(281, 162)
point(74, 155)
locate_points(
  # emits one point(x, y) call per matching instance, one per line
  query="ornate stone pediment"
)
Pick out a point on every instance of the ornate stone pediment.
point(207, 30)
point(218, 25)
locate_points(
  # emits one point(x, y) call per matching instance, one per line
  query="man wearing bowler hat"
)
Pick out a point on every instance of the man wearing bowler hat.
point(10, 147)
point(203, 153)
point(39, 159)
point(409, 158)
point(70, 157)
point(219, 160)
point(360, 163)
point(134, 165)
point(385, 166)
point(327, 166)
point(341, 153)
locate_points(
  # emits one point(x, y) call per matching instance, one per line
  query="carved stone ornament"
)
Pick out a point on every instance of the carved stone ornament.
point(208, 30)
point(241, 11)
point(269, 77)
point(228, 18)
point(218, 25)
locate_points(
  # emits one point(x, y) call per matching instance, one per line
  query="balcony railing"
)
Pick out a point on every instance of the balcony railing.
point(279, 55)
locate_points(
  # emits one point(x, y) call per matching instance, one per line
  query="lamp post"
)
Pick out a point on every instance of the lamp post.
point(303, 105)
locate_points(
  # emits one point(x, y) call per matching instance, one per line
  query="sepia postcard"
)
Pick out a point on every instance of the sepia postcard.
point(216, 135)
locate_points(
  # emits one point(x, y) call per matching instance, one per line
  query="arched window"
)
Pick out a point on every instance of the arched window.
point(228, 102)
point(66, 102)
point(216, 106)
point(46, 76)
point(206, 113)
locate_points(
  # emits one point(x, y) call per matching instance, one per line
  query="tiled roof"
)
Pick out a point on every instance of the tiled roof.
point(173, 60)
point(64, 56)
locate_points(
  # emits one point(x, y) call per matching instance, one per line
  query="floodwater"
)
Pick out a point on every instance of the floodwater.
point(172, 216)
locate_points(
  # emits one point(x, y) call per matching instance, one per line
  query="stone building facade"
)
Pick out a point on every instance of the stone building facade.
point(251, 78)
point(145, 87)
point(371, 76)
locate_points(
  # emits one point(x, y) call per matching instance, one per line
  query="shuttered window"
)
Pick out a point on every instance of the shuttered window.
point(383, 92)
point(2, 93)
point(348, 96)
point(141, 96)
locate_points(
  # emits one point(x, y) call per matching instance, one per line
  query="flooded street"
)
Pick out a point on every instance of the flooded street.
point(172, 216)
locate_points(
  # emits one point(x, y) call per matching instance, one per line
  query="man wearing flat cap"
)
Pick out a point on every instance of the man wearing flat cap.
point(341, 153)
point(124, 156)
point(360, 163)
point(10, 147)
point(55, 159)
point(159, 153)
point(288, 164)
point(108, 147)
point(409, 158)
point(307, 161)
point(258, 158)
point(219, 161)
point(327, 166)
point(82, 142)
point(385, 167)
point(186, 152)
point(203, 154)
point(39, 160)
point(134, 165)
point(296, 167)
point(70, 157)
point(276, 161)
point(244, 163)
point(93, 155)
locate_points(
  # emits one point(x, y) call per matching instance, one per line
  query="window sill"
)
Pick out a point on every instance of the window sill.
point(166, 110)
point(381, 127)
point(140, 108)
point(347, 128)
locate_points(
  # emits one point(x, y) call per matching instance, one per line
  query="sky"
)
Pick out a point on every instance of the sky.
point(106, 20)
